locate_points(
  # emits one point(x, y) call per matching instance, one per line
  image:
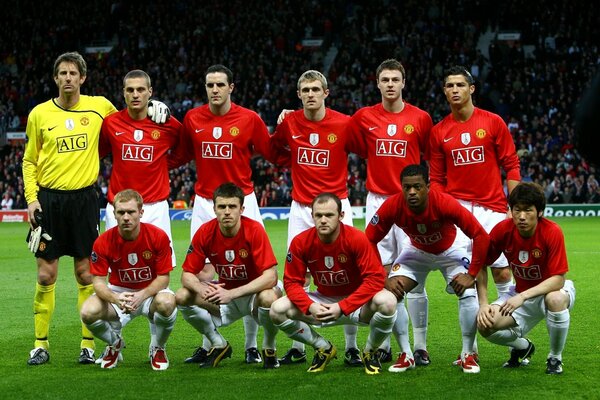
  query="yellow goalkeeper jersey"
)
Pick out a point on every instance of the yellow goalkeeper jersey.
point(62, 145)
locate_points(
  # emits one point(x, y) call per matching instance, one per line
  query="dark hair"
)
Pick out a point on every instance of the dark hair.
point(459, 70)
point(71, 57)
point(391, 64)
point(137, 73)
point(415, 170)
point(528, 194)
point(229, 190)
point(220, 68)
point(324, 198)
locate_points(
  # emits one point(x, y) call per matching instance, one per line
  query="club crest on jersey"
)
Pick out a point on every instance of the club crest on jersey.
point(465, 138)
point(313, 139)
point(332, 138)
point(147, 254)
point(243, 253)
point(217, 132)
point(329, 262)
point(408, 128)
point(480, 133)
point(230, 255)
point(138, 135)
point(392, 129)
point(155, 134)
point(523, 256)
point(422, 228)
point(70, 124)
point(536, 253)
point(234, 131)
point(395, 267)
point(342, 258)
point(84, 121)
point(132, 258)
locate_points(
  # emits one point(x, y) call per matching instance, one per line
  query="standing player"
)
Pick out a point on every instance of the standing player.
point(60, 166)
point(535, 249)
point(239, 249)
point(429, 218)
point(390, 136)
point(316, 138)
point(137, 258)
point(467, 150)
point(221, 137)
point(349, 280)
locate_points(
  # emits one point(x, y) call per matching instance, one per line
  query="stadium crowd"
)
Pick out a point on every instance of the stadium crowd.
point(534, 83)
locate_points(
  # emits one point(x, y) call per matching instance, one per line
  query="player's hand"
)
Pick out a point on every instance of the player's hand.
point(394, 285)
point(328, 312)
point(282, 115)
point(219, 295)
point(462, 282)
point(158, 111)
point(124, 300)
point(31, 209)
point(511, 305)
point(37, 234)
point(485, 316)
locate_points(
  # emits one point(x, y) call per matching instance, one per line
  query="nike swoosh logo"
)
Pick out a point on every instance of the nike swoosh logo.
point(372, 128)
point(199, 130)
point(116, 260)
point(119, 133)
point(213, 254)
point(447, 140)
point(311, 261)
point(296, 136)
point(49, 129)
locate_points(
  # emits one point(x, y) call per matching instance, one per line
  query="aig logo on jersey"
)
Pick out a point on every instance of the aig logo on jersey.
point(222, 151)
point(390, 148)
point(468, 155)
point(314, 157)
point(135, 275)
point(137, 152)
point(67, 144)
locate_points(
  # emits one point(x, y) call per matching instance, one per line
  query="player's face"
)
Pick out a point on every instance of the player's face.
point(137, 93)
point(68, 79)
point(525, 217)
point(327, 219)
point(390, 84)
point(312, 95)
point(228, 211)
point(128, 217)
point(457, 90)
point(218, 90)
point(415, 192)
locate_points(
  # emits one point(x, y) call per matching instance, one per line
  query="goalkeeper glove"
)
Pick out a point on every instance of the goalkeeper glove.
point(35, 236)
point(158, 111)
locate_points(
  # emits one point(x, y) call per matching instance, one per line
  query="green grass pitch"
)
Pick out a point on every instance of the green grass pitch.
point(63, 378)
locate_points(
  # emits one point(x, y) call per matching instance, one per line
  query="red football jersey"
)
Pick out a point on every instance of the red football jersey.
point(347, 267)
point(237, 260)
point(135, 263)
point(318, 153)
point(433, 230)
point(221, 146)
point(389, 142)
point(466, 157)
point(532, 260)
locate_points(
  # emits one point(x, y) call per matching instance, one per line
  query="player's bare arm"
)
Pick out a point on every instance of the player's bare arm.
point(551, 284)
point(461, 282)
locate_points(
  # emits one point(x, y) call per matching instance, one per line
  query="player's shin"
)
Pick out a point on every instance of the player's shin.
point(250, 331)
point(380, 329)
point(302, 332)
point(83, 292)
point(558, 328)
point(467, 317)
point(164, 327)
point(400, 329)
point(417, 304)
point(269, 328)
point(43, 308)
point(201, 320)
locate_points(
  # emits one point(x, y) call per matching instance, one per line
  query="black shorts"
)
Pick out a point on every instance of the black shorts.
point(72, 218)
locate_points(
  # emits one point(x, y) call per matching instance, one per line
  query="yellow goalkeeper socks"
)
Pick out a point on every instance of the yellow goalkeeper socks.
point(43, 308)
point(87, 338)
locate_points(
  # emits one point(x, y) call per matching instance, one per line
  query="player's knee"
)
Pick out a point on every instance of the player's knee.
point(279, 309)
point(165, 303)
point(91, 310)
point(556, 301)
point(183, 297)
point(385, 302)
point(266, 297)
point(501, 275)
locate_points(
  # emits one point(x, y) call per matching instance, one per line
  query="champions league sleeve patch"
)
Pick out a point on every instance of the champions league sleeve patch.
point(190, 249)
point(94, 257)
point(288, 258)
point(374, 219)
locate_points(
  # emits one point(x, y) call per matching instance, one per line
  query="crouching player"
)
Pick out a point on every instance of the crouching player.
point(239, 249)
point(350, 286)
point(536, 253)
point(137, 258)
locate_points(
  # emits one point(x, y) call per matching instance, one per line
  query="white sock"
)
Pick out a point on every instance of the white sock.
point(269, 328)
point(164, 327)
point(103, 331)
point(381, 327)
point(152, 327)
point(251, 331)
point(302, 332)
point(350, 332)
point(558, 328)
point(418, 309)
point(201, 320)
point(468, 307)
point(508, 337)
point(400, 329)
